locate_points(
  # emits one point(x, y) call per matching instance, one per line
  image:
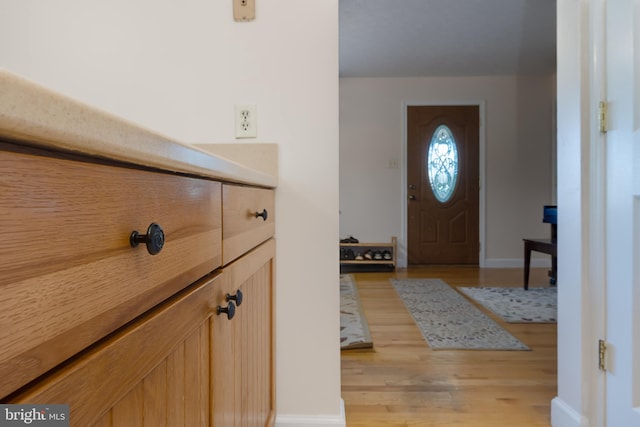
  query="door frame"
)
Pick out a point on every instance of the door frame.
point(595, 287)
point(581, 219)
point(403, 240)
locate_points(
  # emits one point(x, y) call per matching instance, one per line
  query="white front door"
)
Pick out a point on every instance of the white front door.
point(622, 213)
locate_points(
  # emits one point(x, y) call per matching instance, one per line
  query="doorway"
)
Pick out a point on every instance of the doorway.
point(443, 185)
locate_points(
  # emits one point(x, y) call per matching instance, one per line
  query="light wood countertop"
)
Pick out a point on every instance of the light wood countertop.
point(33, 115)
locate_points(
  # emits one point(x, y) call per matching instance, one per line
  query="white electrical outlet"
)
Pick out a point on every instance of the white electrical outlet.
point(246, 121)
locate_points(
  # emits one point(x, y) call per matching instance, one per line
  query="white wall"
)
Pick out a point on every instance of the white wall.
point(518, 139)
point(179, 68)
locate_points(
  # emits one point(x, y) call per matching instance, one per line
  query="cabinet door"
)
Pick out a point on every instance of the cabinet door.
point(243, 376)
point(156, 372)
point(225, 387)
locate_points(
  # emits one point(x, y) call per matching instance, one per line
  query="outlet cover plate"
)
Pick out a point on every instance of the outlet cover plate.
point(246, 121)
point(244, 10)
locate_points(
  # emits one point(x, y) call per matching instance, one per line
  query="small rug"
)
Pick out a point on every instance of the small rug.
point(354, 329)
point(449, 321)
point(515, 305)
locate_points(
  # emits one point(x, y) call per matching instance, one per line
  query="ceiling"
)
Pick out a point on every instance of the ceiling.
point(402, 38)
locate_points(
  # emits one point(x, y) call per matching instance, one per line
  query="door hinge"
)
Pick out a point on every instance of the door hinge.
point(603, 116)
point(602, 354)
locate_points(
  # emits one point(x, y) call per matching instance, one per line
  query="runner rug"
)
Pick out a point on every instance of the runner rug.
point(354, 330)
point(515, 305)
point(449, 321)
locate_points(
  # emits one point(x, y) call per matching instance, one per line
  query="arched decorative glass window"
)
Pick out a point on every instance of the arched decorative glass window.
point(442, 163)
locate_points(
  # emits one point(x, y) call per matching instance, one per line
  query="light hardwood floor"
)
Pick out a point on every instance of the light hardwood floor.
point(401, 382)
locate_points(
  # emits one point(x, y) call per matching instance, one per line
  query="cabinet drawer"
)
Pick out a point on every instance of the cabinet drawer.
point(243, 229)
point(68, 273)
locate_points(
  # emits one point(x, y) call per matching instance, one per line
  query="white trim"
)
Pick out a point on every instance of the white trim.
point(483, 179)
point(402, 240)
point(517, 263)
point(563, 415)
point(554, 152)
point(313, 420)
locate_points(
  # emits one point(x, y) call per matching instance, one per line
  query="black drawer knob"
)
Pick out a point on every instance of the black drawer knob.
point(154, 239)
point(262, 214)
point(230, 309)
point(237, 297)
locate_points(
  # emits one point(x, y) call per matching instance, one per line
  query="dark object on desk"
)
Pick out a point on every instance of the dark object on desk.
point(547, 246)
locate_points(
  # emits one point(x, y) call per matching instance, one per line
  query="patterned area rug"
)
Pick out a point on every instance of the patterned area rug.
point(515, 305)
point(449, 321)
point(354, 330)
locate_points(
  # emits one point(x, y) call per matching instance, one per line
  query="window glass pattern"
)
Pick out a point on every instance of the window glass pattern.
point(442, 163)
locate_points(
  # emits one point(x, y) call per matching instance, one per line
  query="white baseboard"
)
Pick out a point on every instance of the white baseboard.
point(284, 420)
point(563, 415)
point(516, 263)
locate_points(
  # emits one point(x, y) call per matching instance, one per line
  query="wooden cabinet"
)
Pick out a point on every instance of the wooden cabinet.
point(244, 394)
point(125, 337)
